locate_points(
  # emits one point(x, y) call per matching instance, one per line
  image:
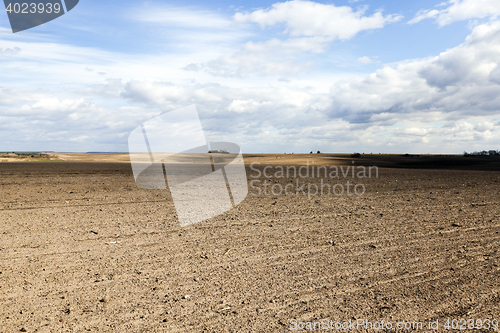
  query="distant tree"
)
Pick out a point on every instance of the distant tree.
point(220, 151)
point(318, 152)
point(483, 153)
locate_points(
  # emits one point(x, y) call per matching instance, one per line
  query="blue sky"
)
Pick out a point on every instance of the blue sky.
point(291, 76)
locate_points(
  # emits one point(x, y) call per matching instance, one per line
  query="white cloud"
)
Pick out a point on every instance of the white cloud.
point(272, 57)
point(246, 106)
point(308, 18)
point(460, 82)
point(458, 10)
point(391, 106)
point(67, 125)
point(189, 27)
point(17, 96)
point(312, 26)
point(81, 138)
point(413, 131)
point(365, 60)
point(48, 108)
point(156, 93)
point(242, 115)
point(485, 126)
point(9, 52)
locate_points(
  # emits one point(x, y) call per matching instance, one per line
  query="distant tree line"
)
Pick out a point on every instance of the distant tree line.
point(218, 151)
point(483, 153)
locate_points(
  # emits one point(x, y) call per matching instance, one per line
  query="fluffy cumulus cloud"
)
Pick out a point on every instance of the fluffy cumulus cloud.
point(445, 99)
point(365, 60)
point(249, 116)
point(310, 27)
point(459, 84)
point(242, 112)
point(308, 18)
point(461, 80)
point(79, 124)
point(457, 10)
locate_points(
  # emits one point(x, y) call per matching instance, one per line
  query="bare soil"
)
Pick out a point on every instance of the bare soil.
point(82, 248)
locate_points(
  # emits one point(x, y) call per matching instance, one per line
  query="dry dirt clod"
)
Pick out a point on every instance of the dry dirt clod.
point(105, 299)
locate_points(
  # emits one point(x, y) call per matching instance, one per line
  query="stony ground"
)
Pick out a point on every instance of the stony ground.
point(82, 248)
